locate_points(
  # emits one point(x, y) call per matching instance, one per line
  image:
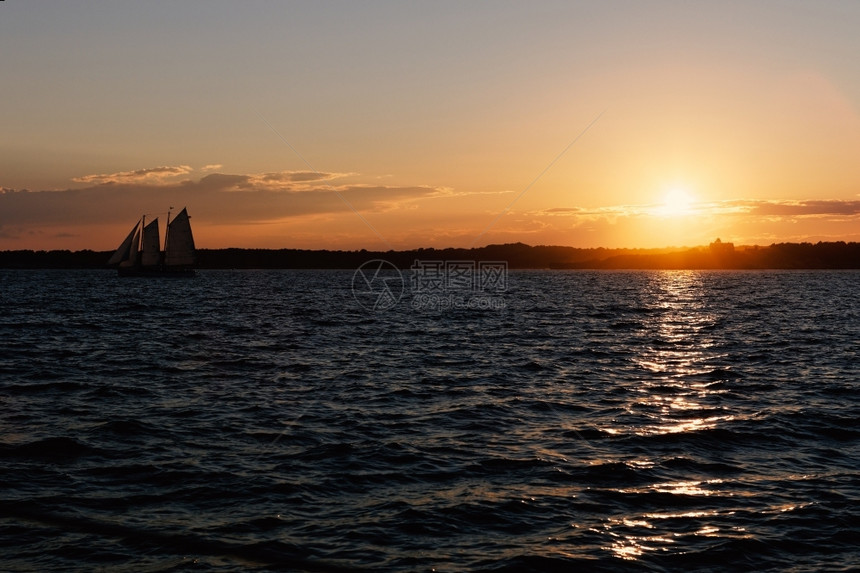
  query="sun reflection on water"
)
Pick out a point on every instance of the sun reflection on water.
point(672, 392)
point(633, 536)
point(679, 488)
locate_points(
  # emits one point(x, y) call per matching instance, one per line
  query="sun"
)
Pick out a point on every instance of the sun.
point(676, 202)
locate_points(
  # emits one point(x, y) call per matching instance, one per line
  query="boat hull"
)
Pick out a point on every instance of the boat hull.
point(156, 272)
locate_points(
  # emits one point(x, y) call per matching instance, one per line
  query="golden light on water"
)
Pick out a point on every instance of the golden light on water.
point(679, 488)
point(688, 514)
point(633, 536)
point(630, 546)
point(673, 395)
point(675, 360)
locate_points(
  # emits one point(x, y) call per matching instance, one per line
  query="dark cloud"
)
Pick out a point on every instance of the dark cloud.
point(221, 182)
point(215, 198)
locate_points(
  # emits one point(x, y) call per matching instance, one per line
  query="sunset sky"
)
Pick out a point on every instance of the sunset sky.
point(395, 125)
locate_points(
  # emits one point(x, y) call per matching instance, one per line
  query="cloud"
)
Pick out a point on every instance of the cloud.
point(299, 176)
point(596, 212)
point(805, 208)
point(152, 174)
point(292, 180)
point(211, 167)
point(220, 182)
point(289, 181)
point(319, 204)
point(216, 198)
point(741, 207)
point(563, 211)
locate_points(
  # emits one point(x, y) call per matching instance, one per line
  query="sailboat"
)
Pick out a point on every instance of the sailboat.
point(140, 254)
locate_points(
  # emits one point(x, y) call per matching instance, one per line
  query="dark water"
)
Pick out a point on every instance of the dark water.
point(264, 421)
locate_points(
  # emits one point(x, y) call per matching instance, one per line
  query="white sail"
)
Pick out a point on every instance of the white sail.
point(133, 253)
point(123, 252)
point(179, 244)
point(150, 251)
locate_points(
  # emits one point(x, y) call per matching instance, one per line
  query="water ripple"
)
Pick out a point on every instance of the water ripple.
point(260, 420)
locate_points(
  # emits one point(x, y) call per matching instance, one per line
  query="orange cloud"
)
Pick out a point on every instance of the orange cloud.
point(753, 208)
point(152, 174)
point(287, 180)
point(217, 197)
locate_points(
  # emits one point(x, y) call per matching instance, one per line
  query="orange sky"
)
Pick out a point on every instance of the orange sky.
point(387, 125)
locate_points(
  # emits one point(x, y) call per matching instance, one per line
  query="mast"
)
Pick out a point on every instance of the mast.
point(166, 234)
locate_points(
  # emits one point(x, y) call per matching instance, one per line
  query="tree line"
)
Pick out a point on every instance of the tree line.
point(717, 255)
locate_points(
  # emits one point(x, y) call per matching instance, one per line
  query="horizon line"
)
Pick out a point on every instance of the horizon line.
point(358, 250)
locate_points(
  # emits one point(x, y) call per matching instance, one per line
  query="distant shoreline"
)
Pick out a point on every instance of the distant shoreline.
point(717, 255)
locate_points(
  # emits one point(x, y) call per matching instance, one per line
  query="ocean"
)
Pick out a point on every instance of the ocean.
point(371, 421)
